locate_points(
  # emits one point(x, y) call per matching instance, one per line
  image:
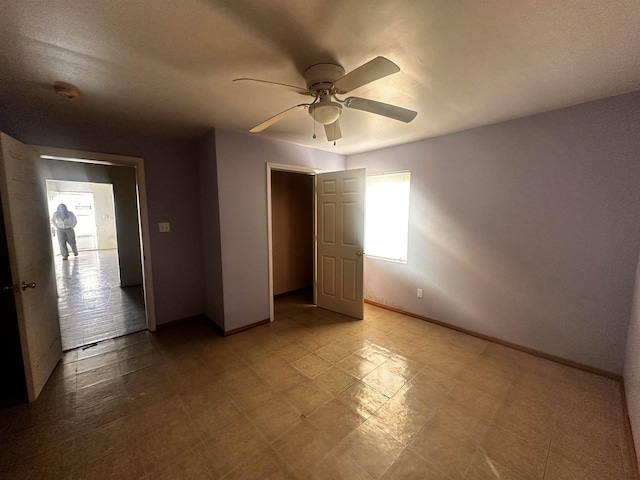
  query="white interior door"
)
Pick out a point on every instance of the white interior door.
point(24, 204)
point(340, 239)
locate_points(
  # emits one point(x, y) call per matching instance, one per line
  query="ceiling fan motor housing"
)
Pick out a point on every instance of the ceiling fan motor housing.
point(322, 76)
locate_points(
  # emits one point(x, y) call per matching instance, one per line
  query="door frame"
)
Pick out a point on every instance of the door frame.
point(81, 156)
point(291, 169)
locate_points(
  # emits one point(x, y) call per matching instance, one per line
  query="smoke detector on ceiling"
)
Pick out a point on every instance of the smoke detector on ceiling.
point(66, 90)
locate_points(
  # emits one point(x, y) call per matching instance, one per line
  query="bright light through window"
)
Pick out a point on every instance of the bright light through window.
point(387, 216)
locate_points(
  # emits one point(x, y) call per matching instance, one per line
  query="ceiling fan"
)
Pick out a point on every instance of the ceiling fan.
point(327, 80)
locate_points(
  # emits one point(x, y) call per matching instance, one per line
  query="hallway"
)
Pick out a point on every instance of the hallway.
point(92, 305)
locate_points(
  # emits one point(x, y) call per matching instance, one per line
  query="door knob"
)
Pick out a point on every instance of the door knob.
point(28, 285)
point(358, 253)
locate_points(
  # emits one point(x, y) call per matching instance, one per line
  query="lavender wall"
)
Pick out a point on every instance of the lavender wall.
point(527, 230)
point(214, 307)
point(172, 190)
point(632, 363)
point(242, 189)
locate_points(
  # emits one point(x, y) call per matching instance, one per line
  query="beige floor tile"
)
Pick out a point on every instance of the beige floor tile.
point(191, 465)
point(385, 381)
point(292, 352)
point(338, 465)
point(484, 468)
point(523, 418)
point(231, 447)
point(398, 420)
point(166, 443)
point(314, 342)
point(264, 465)
point(336, 352)
point(376, 354)
point(560, 468)
point(356, 366)
point(596, 449)
point(490, 384)
point(403, 366)
point(51, 463)
point(303, 446)
point(410, 466)
point(449, 450)
point(274, 417)
point(460, 421)
point(307, 396)
point(216, 417)
point(156, 414)
point(117, 465)
point(363, 399)
point(514, 452)
point(475, 402)
point(115, 436)
point(374, 450)
point(335, 420)
point(312, 365)
point(335, 380)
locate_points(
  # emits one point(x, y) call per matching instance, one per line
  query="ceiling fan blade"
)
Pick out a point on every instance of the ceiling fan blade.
point(375, 69)
point(333, 131)
point(379, 108)
point(300, 90)
point(276, 118)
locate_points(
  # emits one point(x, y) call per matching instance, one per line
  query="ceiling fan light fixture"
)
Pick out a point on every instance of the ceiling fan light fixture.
point(325, 112)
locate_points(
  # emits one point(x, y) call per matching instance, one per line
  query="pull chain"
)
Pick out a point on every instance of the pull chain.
point(314, 123)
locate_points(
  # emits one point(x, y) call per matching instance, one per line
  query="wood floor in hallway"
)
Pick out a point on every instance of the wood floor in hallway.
point(92, 305)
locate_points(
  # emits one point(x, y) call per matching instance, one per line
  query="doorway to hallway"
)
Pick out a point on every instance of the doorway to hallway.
point(101, 291)
point(92, 305)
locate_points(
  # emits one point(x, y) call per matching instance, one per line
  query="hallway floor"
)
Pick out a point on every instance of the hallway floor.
point(92, 305)
point(316, 395)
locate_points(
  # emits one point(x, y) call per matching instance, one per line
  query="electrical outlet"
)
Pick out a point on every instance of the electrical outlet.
point(419, 293)
point(164, 227)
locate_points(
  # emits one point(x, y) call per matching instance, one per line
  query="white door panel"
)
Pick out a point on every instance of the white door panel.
point(26, 217)
point(340, 240)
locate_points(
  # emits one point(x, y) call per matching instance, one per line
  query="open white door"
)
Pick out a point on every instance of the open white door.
point(26, 217)
point(340, 239)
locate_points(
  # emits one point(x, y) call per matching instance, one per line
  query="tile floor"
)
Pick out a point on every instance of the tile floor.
point(92, 305)
point(315, 395)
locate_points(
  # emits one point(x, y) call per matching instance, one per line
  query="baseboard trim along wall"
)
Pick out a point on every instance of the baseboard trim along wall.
point(538, 353)
point(629, 433)
point(246, 327)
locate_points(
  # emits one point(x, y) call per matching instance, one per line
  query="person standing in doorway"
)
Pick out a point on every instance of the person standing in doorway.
point(64, 221)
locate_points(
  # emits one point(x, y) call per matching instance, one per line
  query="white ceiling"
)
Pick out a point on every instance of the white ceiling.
point(166, 66)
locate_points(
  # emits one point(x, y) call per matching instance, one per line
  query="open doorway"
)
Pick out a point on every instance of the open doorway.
point(292, 227)
point(114, 261)
point(93, 303)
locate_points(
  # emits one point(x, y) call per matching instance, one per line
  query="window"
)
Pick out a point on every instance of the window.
point(387, 216)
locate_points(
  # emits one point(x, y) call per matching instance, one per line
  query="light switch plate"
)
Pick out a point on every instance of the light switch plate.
point(164, 227)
